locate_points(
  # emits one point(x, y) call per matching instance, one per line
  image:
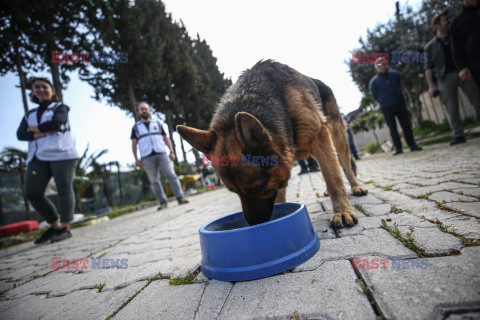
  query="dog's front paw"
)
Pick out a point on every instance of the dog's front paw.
point(345, 218)
point(359, 190)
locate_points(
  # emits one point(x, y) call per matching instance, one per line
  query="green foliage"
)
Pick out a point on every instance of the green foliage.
point(31, 30)
point(99, 286)
point(469, 122)
point(178, 76)
point(369, 121)
point(431, 128)
point(408, 240)
point(10, 159)
point(183, 168)
point(181, 280)
point(372, 147)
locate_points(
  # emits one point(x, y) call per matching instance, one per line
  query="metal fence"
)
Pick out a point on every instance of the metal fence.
point(96, 194)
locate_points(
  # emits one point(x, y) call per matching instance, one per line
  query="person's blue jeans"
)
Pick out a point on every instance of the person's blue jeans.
point(353, 149)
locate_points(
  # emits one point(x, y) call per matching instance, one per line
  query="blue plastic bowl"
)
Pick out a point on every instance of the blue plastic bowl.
point(234, 251)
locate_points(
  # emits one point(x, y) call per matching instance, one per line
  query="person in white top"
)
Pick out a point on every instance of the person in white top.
point(51, 152)
point(150, 138)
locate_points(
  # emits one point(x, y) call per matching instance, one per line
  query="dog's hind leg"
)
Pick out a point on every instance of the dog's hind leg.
point(338, 132)
point(340, 140)
point(324, 151)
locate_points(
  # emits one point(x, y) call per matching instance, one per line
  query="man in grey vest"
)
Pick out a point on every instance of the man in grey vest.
point(440, 70)
point(151, 140)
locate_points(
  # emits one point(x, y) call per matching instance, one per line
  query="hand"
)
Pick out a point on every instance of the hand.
point(432, 90)
point(172, 156)
point(465, 74)
point(138, 163)
point(33, 129)
point(38, 135)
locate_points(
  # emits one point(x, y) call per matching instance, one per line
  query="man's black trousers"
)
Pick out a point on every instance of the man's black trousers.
point(401, 113)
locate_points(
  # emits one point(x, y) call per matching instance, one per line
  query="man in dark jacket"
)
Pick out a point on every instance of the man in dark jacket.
point(440, 70)
point(465, 33)
point(386, 89)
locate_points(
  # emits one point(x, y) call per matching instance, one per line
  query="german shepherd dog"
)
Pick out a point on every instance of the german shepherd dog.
point(273, 110)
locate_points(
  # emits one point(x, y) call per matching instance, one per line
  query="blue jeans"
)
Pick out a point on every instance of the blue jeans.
point(162, 161)
point(353, 149)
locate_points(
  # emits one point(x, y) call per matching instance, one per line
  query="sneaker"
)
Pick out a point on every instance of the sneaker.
point(397, 152)
point(46, 236)
point(181, 200)
point(416, 148)
point(458, 140)
point(163, 205)
point(61, 234)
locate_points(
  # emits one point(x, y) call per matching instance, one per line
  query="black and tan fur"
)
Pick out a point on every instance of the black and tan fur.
point(273, 110)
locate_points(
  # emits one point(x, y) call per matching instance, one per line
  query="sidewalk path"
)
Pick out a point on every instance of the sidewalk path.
point(429, 200)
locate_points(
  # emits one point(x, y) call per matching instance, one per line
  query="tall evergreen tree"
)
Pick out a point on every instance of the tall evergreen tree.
point(137, 34)
point(15, 48)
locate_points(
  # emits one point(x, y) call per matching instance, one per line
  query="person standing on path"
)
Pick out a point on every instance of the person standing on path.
point(386, 89)
point(440, 69)
point(152, 141)
point(51, 152)
point(465, 31)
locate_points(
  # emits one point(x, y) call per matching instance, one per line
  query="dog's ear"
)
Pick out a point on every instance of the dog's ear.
point(250, 131)
point(202, 140)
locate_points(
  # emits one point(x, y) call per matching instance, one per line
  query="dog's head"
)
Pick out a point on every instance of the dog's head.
point(247, 160)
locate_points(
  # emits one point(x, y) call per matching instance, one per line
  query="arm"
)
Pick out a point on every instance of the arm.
point(138, 163)
point(25, 134)
point(22, 132)
point(432, 87)
point(169, 145)
point(59, 118)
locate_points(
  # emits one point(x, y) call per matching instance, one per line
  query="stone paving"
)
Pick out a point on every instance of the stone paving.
point(414, 254)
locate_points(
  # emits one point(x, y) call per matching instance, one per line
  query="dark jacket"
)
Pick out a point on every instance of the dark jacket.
point(465, 32)
point(386, 89)
point(435, 58)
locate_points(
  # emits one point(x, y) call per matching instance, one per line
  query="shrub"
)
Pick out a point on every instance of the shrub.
point(372, 147)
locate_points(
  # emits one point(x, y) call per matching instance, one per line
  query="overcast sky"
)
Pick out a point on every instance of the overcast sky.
point(314, 37)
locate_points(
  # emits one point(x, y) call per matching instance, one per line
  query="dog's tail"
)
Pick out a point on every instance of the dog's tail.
point(329, 103)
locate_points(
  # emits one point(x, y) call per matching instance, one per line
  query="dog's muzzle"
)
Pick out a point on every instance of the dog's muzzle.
point(257, 210)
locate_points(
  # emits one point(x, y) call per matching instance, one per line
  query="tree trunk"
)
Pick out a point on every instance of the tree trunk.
point(376, 137)
point(198, 159)
point(122, 200)
point(57, 85)
point(170, 133)
point(198, 164)
point(417, 110)
point(22, 178)
point(132, 100)
point(183, 150)
point(23, 82)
